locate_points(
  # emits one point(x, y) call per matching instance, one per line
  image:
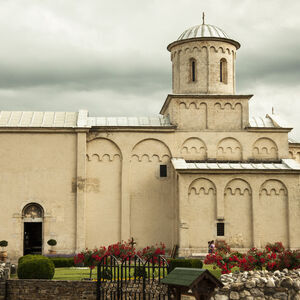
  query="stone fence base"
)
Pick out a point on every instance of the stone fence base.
point(29, 289)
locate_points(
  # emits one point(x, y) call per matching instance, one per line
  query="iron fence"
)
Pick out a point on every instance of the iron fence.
point(132, 278)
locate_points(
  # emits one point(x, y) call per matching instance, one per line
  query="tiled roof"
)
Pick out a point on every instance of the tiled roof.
point(37, 119)
point(158, 121)
point(75, 119)
point(286, 164)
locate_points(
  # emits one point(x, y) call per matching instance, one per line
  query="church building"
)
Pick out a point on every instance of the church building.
point(202, 170)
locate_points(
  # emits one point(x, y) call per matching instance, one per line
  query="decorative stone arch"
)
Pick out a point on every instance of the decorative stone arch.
point(33, 211)
point(238, 185)
point(109, 151)
point(265, 149)
point(274, 186)
point(194, 148)
point(32, 216)
point(202, 184)
point(229, 148)
point(151, 149)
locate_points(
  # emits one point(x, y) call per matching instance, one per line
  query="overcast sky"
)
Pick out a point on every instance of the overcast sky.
point(110, 57)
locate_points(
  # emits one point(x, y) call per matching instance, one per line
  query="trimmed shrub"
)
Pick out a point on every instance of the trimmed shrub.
point(185, 263)
point(29, 257)
point(60, 262)
point(3, 243)
point(36, 268)
point(179, 263)
point(52, 242)
point(196, 263)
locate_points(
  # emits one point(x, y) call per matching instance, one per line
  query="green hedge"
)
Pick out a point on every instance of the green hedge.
point(185, 263)
point(35, 267)
point(62, 262)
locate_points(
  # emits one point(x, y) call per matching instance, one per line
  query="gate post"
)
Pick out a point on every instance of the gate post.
point(98, 281)
point(144, 282)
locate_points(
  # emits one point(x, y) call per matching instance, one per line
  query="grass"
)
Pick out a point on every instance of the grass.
point(73, 274)
point(81, 273)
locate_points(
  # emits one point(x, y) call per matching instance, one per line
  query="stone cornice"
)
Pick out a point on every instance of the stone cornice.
point(204, 39)
point(202, 96)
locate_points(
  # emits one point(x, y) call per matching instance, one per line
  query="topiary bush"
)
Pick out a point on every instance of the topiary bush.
point(3, 243)
point(29, 257)
point(35, 267)
point(52, 242)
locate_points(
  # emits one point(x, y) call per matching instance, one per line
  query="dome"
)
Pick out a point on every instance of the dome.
point(203, 31)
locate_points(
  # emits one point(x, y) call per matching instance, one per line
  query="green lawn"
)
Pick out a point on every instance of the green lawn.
point(73, 274)
point(80, 273)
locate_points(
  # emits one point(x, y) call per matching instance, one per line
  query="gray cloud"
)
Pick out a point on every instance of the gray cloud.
point(111, 57)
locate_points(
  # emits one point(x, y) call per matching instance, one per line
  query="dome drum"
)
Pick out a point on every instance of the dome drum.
point(203, 61)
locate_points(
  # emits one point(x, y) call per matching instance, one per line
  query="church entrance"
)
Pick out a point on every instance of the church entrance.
point(32, 238)
point(33, 229)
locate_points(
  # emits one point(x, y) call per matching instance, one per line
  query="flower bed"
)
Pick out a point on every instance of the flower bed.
point(121, 250)
point(273, 257)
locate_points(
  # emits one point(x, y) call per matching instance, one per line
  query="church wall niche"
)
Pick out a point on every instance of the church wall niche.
point(272, 213)
point(226, 116)
point(192, 115)
point(265, 149)
point(151, 196)
point(198, 212)
point(193, 148)
point(103, 192)
point(238, 205)
point(229, 149)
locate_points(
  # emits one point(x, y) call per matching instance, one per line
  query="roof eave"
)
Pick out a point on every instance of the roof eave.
point(268, 129)
point(201, 39)
point(237, 171)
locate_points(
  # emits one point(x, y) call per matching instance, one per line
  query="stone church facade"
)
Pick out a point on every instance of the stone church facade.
point(201, 170)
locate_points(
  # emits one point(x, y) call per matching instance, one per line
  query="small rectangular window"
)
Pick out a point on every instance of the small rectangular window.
point(163, 171)
point(220, 229)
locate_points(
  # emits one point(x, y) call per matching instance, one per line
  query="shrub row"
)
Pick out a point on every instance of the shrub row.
point(35, 267)
point(185, 263)
point(61, 262)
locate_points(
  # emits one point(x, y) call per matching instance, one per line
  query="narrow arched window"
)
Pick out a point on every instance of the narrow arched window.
point(223, 70)
point(193, 69)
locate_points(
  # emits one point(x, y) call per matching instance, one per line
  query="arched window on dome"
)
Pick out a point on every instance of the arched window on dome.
point(193, 75)
point(223, 70)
